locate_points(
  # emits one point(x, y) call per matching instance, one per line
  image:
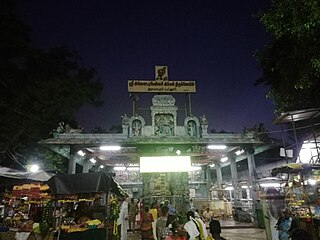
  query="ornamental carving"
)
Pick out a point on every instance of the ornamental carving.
point(164, 124)
point(163, 100)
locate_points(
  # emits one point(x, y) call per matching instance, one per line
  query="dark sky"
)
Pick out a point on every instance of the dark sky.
point(210, 42)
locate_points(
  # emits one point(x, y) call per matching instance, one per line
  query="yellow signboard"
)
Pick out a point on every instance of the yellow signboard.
point(162, 86)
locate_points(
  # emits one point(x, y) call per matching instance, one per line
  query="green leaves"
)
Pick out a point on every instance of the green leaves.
point(291, 62)
point(38, 88)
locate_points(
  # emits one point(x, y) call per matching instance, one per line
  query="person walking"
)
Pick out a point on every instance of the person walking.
point(146, 225)
point(133, 211)
point(154, 211)
point(162, 228)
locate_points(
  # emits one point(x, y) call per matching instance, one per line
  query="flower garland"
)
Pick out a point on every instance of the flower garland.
point(46, 221)
point(114, 214)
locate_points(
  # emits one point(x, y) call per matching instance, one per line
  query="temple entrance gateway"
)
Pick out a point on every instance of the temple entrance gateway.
point(163, 136)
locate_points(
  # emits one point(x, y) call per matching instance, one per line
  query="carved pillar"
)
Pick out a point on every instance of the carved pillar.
point(72, 161)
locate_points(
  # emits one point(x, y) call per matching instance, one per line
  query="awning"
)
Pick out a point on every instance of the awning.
point(299, 115)
point(294, 168)
point(39, 176)
point(84, 183)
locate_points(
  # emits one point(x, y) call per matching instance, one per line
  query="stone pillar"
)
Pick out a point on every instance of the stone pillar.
point(251, 169)
point(125, 130)
point(233, 167)
point(248, 192)
point(204, 130)
point(86, 167)
point(219, 173)
point(251, 180)
point(72, 161)
point(234, 177)
point(251, 164)
point(208, 176)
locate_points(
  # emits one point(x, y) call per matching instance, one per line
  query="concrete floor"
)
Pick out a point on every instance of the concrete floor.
point(229, 234)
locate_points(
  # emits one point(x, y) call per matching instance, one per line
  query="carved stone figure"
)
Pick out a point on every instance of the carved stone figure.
point(161, 73)
point(203, 120)
point(164, 124)
point(125, 120)
point(136, 128)
point(65, 128)
point(69, 129)
point(192, 131)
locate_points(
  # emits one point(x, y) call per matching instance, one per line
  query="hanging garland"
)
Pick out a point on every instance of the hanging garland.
point(114, 214)
point(46, 222)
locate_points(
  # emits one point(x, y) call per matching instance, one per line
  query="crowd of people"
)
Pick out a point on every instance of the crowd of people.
point(162, 222)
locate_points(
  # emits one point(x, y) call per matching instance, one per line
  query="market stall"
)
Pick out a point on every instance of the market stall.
point(85, 205)
point(299, 191)
point(22, 201)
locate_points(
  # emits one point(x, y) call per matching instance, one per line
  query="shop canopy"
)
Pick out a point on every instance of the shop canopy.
point(82, 183)
point(39, 176)
point(294, 168)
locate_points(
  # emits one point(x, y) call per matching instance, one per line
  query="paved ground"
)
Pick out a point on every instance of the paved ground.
point(229, 234)
point(231, 230)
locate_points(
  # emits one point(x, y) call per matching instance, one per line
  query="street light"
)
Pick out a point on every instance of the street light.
point(34, 168)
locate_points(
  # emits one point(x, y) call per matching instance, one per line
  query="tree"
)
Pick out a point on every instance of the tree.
point(291, 62)
point(38, 88)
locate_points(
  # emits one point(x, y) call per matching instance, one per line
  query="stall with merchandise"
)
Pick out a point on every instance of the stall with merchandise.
point(85, 206)
point(23, 197)
point(301, 194)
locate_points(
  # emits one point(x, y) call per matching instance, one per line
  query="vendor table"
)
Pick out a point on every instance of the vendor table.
point(96, 234)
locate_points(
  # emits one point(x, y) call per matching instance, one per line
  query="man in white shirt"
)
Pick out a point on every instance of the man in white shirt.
point(195, 227)
point(122, 220)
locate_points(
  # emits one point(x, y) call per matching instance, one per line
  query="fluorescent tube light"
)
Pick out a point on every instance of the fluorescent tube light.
point(217, 147)
point(224, 159)
point(119, 168)
point(133, 168)
point(110, 148)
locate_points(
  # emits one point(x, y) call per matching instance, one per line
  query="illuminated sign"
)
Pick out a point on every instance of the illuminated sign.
point(165, 164)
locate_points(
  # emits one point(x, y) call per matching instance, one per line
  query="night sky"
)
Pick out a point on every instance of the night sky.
point(210, 42)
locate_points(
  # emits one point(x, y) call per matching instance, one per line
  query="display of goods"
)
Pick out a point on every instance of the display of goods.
point(83, 220)
point(94, 222)
point(32, 190)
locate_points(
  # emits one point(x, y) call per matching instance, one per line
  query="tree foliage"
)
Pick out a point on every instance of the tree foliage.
point(38, 88)
point(291, 62)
